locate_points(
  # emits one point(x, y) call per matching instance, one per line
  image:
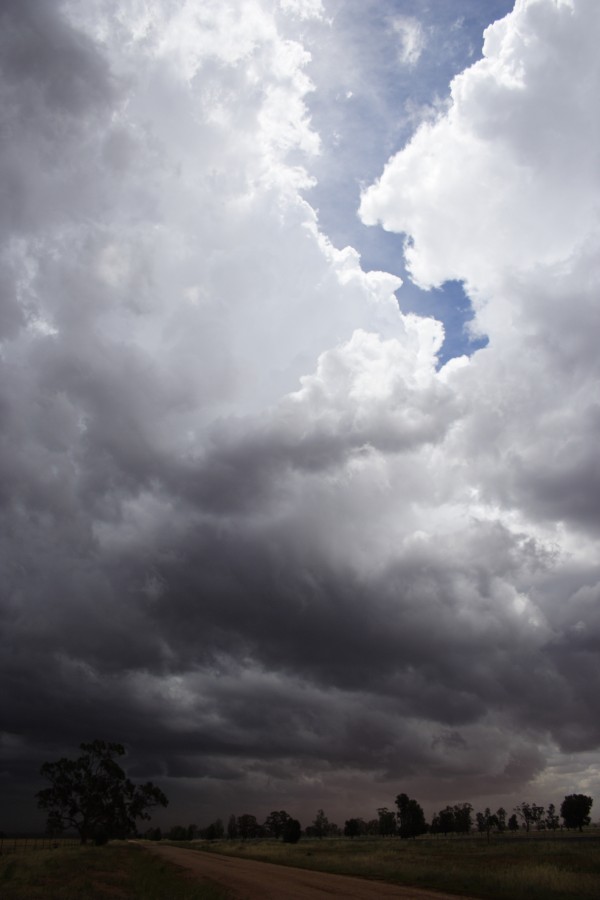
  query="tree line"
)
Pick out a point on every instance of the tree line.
point(93, 796)
point(408, 821)
point(574, 812)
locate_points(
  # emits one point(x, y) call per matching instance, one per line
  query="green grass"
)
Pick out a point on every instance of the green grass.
point(114, 872)
point(508, 868)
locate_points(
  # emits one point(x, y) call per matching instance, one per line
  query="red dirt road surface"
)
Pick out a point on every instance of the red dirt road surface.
point(250, 880)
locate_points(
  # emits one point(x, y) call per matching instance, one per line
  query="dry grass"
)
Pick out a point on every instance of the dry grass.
point(114, 872)
point(29, 845)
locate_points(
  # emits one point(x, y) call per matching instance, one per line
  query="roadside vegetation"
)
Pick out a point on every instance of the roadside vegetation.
point(510, 867)
point(113, 872)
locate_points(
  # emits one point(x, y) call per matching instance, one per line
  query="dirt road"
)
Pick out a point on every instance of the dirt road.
point(250, 880)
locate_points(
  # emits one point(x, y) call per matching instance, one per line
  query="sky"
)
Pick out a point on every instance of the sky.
point(299, 400)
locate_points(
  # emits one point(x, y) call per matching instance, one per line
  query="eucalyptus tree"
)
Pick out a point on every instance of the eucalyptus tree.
point(93, 795)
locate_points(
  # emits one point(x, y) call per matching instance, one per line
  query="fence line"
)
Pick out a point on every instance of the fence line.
point(26, 845)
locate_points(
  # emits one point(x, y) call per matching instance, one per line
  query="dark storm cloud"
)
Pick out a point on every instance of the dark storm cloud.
point(41, 52)
point(53, 81)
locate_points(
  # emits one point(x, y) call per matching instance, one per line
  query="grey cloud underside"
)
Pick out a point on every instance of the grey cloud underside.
point(405, 643)
point(246, 526)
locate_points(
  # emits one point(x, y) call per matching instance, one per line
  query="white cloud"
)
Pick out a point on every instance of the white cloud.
point(412, 39)
point(506, 179)
point(304, 9)
point(502, 191)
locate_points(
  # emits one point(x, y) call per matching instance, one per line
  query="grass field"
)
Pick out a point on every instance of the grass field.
point(508, 868)
point(113, 872)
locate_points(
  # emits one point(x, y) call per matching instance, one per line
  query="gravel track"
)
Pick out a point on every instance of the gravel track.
point(250, 880)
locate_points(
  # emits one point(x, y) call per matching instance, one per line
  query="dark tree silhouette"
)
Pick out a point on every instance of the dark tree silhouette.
point(453, 818)
point(444, 822)
point(321, 824)
point(93, 795)
point(248, 827)
point(486, 821)
point(552, 821)
point(232, 828)
point(575, 810)
point(214, 832)
point(387, 820)
point(275, 823)
point(291, 831)
point(179, 833)
point(501, 816)
point(530, 813)
point(411, 818)
point(463, 820)
point(354, 827)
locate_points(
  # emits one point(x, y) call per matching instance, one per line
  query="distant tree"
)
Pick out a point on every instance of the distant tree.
point(552, 820)
point(463, 821)
point(321, 824)
point(232, 828)
point(539, 814)
point(501, 817)
point(178, 833)
point(387, 821)
point(373, 826)
point(153, 834)
point(457, 818)
point(513, 823)
point(355, 827)
point(291, 831)
point(575, 810)
point(93, 795)
point(411, 818)
point(351, 828)
point(530, 813)
point(486, 821)
point(248, 827)
point(275, 823)
point(444, 822)
point(214, 832)
point(523, 810)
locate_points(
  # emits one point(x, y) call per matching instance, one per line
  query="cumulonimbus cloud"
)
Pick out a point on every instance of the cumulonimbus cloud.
point(236, 489)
